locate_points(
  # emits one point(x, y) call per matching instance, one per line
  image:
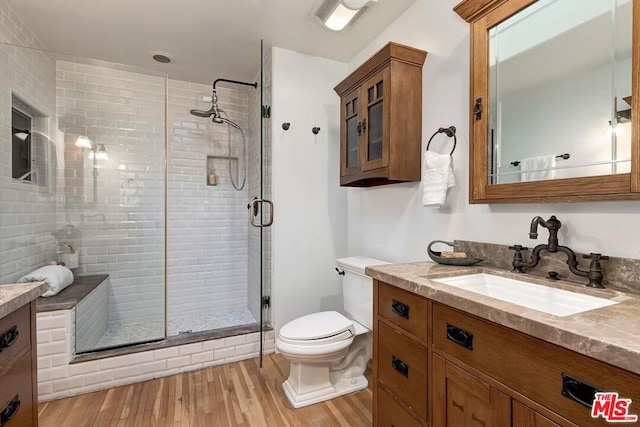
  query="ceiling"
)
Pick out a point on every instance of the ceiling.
point(208, 39)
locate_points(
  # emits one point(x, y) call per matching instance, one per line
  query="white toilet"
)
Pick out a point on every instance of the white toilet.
point(328, 351)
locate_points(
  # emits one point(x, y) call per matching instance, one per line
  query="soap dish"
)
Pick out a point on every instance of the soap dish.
point(437, 256)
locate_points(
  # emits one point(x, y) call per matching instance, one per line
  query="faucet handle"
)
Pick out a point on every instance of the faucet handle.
point(518, 248)
point(595, 257)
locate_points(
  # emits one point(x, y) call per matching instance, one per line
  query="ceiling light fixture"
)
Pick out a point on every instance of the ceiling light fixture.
point(337, 15)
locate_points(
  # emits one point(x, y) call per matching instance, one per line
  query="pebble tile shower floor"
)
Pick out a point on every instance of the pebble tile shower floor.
point(132, 333)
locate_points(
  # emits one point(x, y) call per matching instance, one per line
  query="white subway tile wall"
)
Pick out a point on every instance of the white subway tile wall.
point(58, 379)
point(93, 317)
point(27, 211)
point(207, 225)
point(114, 210)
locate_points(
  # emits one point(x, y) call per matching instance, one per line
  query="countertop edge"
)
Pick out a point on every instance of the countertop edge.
point(19, 295)
point(605, 351)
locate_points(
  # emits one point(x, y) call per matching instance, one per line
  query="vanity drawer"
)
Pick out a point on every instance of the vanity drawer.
point(15, 334)
point(402, 368)
point(534, 368)
point(392, 414)
point(16, 399)
point(406, 310)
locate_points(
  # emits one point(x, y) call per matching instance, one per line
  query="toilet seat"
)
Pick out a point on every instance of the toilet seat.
point(316, 335)
point(318, 328)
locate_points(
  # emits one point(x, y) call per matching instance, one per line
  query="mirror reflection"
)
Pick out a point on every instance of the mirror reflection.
point(560, 91)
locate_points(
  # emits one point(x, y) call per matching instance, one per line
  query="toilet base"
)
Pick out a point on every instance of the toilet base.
point(344, 386)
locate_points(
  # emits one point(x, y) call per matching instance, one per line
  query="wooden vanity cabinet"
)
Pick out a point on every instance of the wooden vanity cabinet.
point(457, 370)
point(381, 118)
point(460, 399)
point(18, 368)
point(400, 368)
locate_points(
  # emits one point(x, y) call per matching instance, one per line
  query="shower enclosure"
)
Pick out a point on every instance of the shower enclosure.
point(125, 178)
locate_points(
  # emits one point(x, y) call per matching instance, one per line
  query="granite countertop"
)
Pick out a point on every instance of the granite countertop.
point(12, 297)
point(609, 334)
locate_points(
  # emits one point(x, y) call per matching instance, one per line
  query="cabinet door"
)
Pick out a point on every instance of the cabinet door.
point(523, 416)
point(350, 133)
point(462, 400)
point(375, 123)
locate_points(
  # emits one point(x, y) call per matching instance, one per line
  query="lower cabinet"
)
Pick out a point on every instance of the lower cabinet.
point(438, 366)
point(462, 400)
point(392, 414)
point(523, 416)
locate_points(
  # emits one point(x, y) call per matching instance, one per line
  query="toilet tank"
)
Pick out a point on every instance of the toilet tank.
point(357, 289)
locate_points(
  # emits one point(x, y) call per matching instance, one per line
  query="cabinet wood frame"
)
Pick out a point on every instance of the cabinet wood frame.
point(399, 67)
point(483, 15)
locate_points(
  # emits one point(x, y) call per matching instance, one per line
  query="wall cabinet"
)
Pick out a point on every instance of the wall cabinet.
point(381, 118)
point(439, 366)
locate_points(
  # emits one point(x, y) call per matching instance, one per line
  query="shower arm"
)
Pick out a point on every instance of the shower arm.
point(254, 84)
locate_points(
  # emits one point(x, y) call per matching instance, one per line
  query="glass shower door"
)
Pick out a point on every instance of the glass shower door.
point(266, 207)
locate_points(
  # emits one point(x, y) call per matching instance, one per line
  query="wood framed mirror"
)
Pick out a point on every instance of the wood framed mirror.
point(555, 91)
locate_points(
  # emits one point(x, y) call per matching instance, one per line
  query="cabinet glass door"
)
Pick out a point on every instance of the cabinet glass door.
point(352, 131)
point(375, 122)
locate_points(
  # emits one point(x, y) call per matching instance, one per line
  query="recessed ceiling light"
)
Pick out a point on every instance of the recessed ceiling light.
point(337, 15)
point(162, 57)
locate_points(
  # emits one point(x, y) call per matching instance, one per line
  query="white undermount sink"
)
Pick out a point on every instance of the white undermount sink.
point(542, 298)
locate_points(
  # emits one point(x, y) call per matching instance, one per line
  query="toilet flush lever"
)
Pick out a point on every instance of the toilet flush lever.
point(341, 273)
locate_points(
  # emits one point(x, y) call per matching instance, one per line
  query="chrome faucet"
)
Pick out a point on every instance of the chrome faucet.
point(553, 225)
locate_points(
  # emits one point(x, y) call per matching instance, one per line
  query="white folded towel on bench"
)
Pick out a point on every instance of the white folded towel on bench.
point(57, 277)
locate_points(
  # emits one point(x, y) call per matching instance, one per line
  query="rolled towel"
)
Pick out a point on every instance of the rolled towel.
point(437, 177)
point(57, 277)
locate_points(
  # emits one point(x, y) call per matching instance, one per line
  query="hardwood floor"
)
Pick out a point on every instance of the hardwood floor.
point(237, 394)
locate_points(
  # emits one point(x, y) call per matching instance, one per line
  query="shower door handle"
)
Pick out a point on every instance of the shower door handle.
point(253, 212)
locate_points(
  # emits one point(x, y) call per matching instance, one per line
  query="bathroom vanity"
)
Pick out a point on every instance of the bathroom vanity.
point(18, 361)
point(446, 356)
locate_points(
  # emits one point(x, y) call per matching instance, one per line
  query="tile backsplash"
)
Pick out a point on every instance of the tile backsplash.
point(622, 274)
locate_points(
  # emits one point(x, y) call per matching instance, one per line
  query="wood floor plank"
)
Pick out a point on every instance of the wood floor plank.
point(238, 394)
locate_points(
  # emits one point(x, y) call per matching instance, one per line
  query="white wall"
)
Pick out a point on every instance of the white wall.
point(310, 207)
point(389, 222)
point(27, 211)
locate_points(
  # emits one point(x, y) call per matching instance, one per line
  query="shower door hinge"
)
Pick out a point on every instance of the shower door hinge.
point(266, 111)
point(266, 301)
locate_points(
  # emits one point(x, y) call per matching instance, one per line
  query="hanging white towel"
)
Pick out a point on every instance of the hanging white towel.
point(541, 167)
point(437, 177)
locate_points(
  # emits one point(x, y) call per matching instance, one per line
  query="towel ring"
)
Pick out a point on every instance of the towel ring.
point(450, 132)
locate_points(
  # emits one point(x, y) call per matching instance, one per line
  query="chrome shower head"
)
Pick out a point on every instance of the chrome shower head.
point(214, 111)
point(202, 113)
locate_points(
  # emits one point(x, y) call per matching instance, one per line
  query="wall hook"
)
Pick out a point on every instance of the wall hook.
point(315, 130)
point(286, 125)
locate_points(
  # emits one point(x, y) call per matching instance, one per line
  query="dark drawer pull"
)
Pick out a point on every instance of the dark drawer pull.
point(460, 336)
point(400, 309)
point(9, 337)
point(579, 391)
point(10, 410)
point(400, 366)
